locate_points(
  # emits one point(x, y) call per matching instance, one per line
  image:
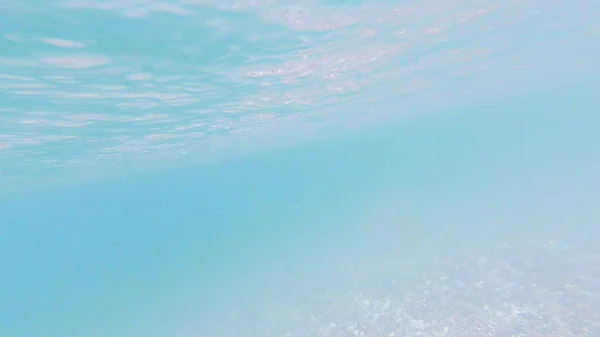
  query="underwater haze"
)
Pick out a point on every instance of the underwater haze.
point(259, 168)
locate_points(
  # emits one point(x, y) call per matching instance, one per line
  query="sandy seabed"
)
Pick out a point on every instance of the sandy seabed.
point(540, 283)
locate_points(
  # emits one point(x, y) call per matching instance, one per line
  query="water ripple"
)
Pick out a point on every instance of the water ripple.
point(97, 83)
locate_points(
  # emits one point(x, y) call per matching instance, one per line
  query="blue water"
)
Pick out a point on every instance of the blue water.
point(190, 168)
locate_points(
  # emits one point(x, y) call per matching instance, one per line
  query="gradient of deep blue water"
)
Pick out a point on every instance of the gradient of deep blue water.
point(98, 239)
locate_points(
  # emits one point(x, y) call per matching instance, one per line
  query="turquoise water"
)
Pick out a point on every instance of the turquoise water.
point(255, 168)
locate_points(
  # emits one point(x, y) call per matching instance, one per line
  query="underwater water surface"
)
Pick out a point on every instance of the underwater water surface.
point(316, 168)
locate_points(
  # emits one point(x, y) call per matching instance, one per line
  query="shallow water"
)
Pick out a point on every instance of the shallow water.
point(198, 168)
